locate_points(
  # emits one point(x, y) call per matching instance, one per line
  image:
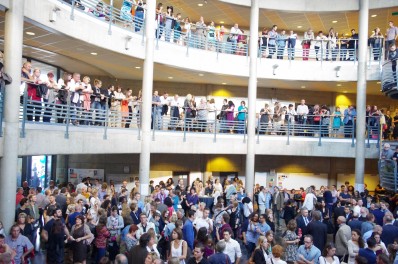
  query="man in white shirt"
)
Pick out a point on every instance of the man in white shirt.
point(75, 87)
point(144, 226)
point(235, 31)
point(262, 200)
point(204, 221)
point(309, 200)
point(232, 248)
point(302, 112)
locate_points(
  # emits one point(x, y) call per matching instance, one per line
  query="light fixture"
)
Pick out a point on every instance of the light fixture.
point(200, 4)
point(345, 92)
point(53, 14)
point(274, 68)
point(373, 16)
point(201, 74)
point(222, 22)
point(334, 21)
point(299, 26)
point(170, 77)
point(30, 33)
point(224, 83)
point(302, 86)
point(138, 67)
point(338, 85)
point(337, 69)
point(94, 53)
point(378, 82)
point(127, 43)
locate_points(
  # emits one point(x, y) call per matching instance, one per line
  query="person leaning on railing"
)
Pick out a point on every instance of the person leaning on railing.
point(50, 97)
point(306, 42)
point(34, 106)
point(393, 57)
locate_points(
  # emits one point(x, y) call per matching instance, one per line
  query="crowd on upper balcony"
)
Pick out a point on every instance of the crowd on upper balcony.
point(272, 42)
point(79, 101)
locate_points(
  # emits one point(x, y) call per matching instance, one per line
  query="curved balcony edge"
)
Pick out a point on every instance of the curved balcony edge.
point(46, 139)
point(175, 56)
point(312, 5)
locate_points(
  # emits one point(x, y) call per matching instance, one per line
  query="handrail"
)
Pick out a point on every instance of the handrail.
point(389, 78)
point(182, 120)
point(215, 40)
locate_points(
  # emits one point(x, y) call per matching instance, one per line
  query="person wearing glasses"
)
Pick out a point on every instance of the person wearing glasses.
point(308, 253)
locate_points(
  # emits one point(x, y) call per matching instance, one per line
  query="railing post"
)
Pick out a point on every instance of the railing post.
point(139, 126)
point(67, 116)
point(215, 127)
point(154, 121)
point(247, 50)
point(106, 113)
point(244, 129)
point(188, 43)
point(369, 131)
point(72, 11)
point(143, 31)
point(321, 51)
point(110, 17)
point(24, 111)
point(217, 47)
point(185, 125)
point(353, 134)
point(258, 130)
point(2, 96)
point(320, 132)
point(355, 51)
point(288, 132)
point(157, 33)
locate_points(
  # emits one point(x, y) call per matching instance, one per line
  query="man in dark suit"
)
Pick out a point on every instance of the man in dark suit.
point(318, 230)
point(355, 223)
point(60, 199)
point(390, 232)
point(302, 222)
point(347, 214)
point(369, 252)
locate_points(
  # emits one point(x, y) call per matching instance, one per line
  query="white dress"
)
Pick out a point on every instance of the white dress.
point(351, 248)
point(177, 252)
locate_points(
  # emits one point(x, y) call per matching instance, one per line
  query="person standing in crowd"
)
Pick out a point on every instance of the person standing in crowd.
point(308, 253)
point(391, 37)
point(18, 243)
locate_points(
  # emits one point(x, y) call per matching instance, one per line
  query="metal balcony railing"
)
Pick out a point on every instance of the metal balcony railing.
point(219, 40)
point(186, 121)
point(389, 79)
point(388, 174)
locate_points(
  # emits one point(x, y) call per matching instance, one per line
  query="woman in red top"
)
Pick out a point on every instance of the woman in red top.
point(102, 236)
point(34, 106)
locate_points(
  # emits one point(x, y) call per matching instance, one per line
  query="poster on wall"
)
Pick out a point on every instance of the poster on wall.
point(76, 176)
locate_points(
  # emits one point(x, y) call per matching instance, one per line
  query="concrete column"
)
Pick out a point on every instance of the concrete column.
point(361, 95)
point(252, 95)
point(147, 86)
point(13, 39)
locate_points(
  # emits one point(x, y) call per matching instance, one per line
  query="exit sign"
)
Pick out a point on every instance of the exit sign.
point(395, 13)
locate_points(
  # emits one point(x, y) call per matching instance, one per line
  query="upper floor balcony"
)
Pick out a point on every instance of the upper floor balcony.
point(119, 45)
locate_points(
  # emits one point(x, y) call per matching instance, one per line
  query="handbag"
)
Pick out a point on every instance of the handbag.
point(317, 118)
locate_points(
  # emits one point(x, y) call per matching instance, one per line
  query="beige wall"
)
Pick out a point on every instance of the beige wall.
point(165, 164)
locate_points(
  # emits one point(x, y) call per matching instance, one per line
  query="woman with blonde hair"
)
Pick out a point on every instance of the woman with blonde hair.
point(95, 204)
point(85, 97)
point(260, 255)
point(188, 110)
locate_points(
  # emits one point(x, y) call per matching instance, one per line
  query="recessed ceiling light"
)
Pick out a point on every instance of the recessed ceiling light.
point(224, 83)
point(137, 67)
point(94, 53)
point(200, 4)
point(345, 92)
point(373, 15)
point(334, 21)
point(346, 34)
point(378, 82)
point(201, 74)
point(30, 33)
point(221, 22)
point(299, 26)
point(303, 86)
point(339, 84)
point(170, 77)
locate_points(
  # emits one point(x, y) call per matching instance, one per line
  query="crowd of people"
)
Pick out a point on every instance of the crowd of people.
point(96, 223)
point(74, 99)
point(172, 27)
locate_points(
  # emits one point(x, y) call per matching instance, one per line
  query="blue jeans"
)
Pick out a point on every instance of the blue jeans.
point(138, 20)
point(291, 44)
point(96, 106)
point(156, 118)
point(100, 254)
